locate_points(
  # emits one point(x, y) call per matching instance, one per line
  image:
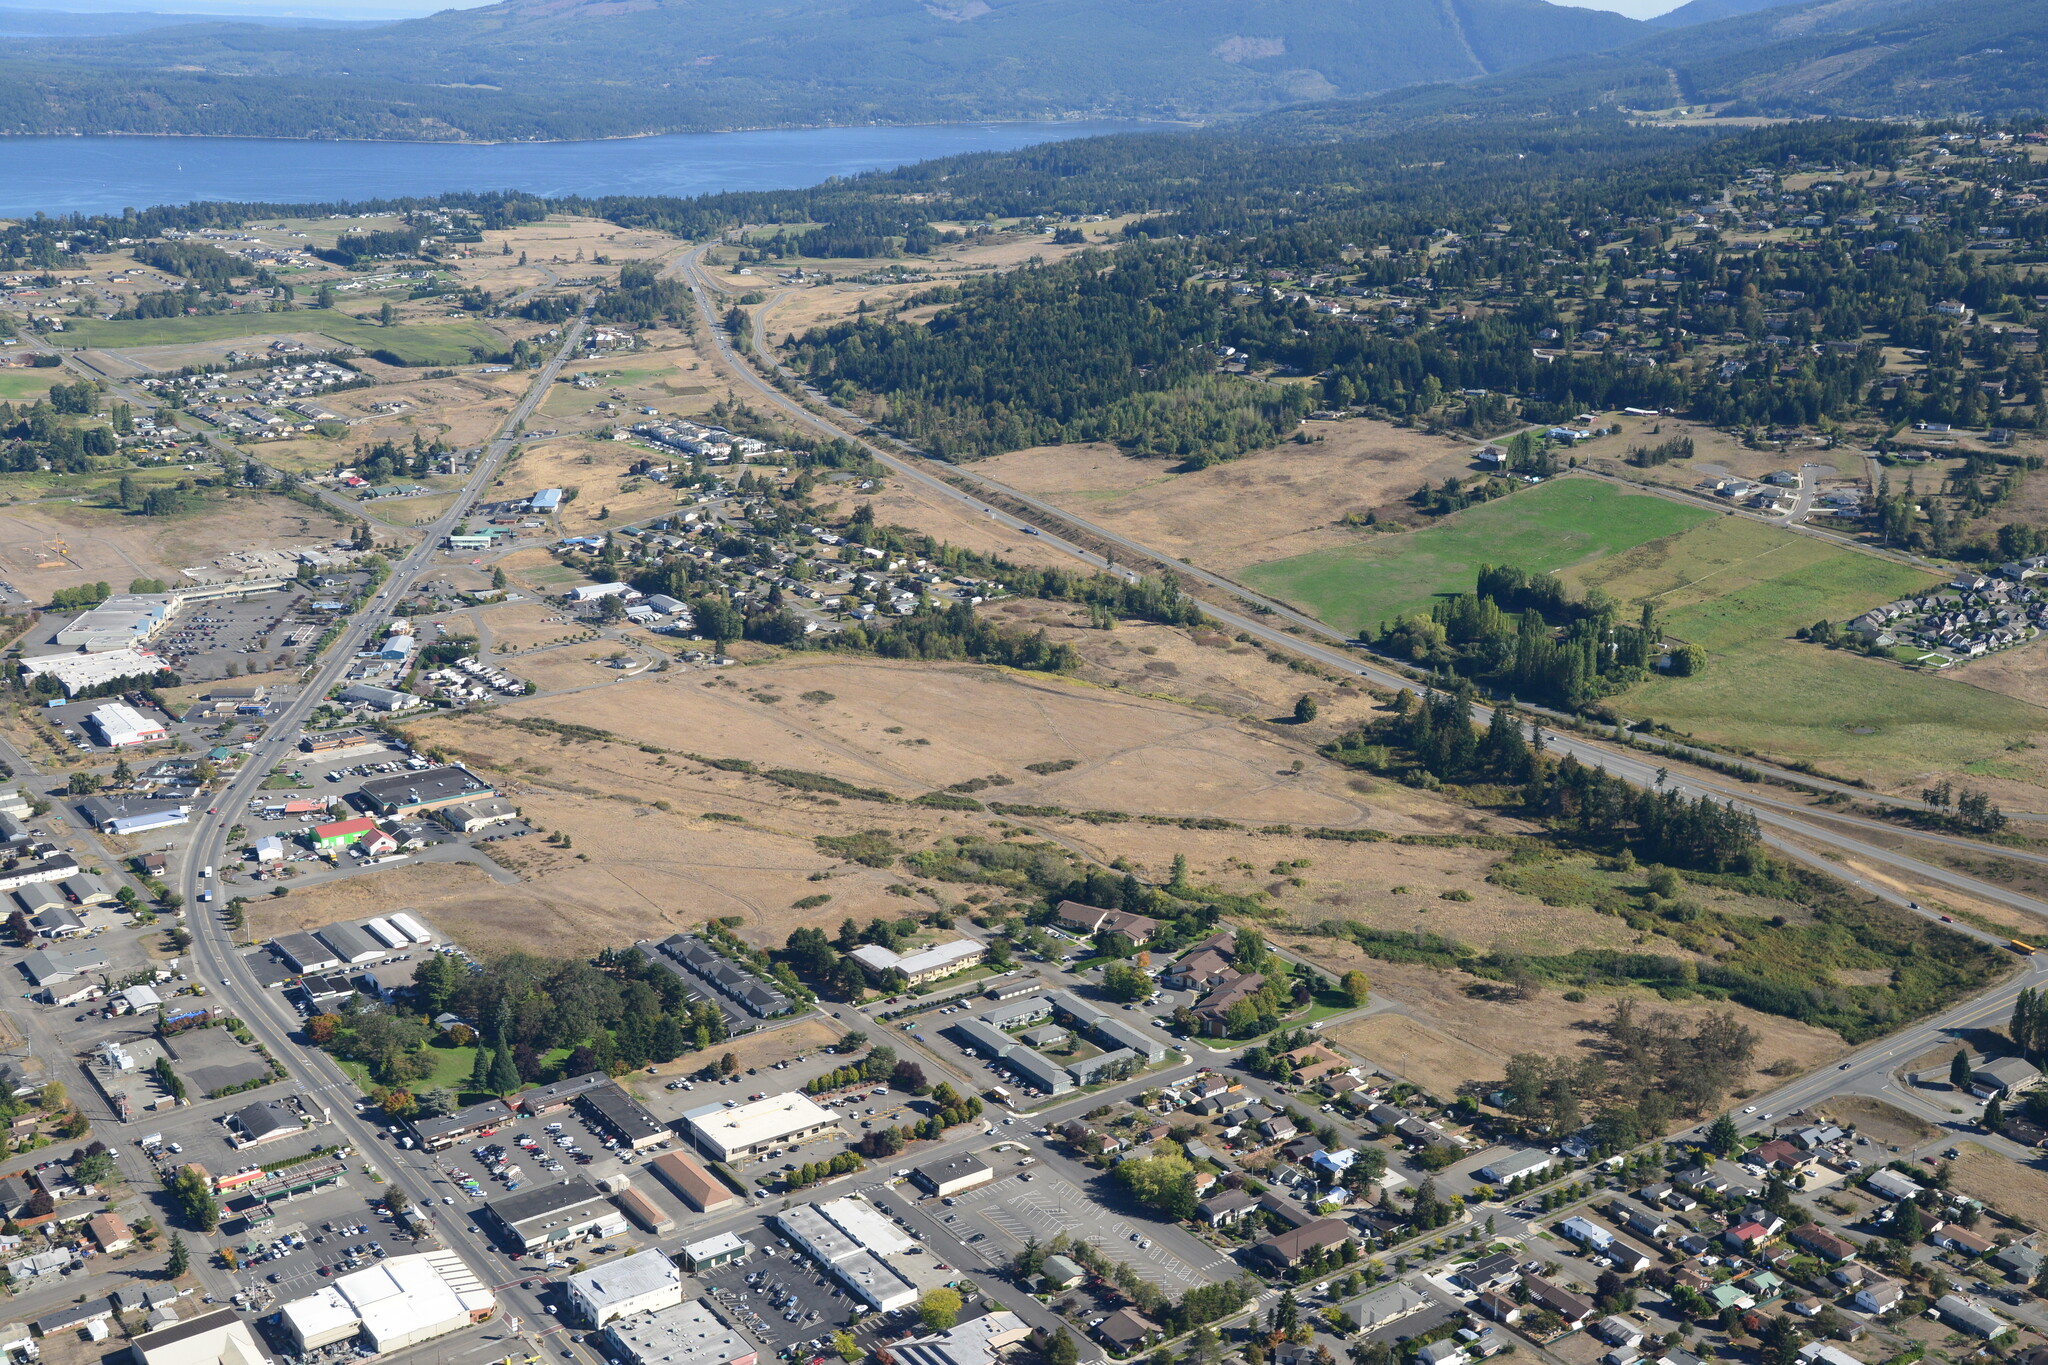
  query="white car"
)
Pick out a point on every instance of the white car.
point(1750, 1110)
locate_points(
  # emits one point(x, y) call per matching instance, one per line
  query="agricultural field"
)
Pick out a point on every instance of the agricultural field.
point(26, 386)
point(1740, 590)
point(436, 343)
point(1276, 503)
point(1560, 525)
point(1716, 454)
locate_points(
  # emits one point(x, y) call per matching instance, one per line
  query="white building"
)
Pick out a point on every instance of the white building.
point(639, 1284)
point(854, 1248)
point(77, 671)
point(392, 1305)
point(118, 725)
point(216, 1338)
point(685, 1334)
point(927, 964)
point(748, 1129)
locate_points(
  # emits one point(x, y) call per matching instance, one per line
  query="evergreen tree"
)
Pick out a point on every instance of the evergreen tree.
point(504, 1075)
point(1959, 1069)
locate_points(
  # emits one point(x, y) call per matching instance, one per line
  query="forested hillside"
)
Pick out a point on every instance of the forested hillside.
point(526, 69)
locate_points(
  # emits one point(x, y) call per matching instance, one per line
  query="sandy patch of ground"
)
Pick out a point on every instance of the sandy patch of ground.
point(1286, 500)
point(1878, 1121)
point(1412, 1051)
point(2003, 1184)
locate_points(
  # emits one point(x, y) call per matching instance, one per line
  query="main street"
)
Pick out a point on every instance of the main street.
point(214, 956)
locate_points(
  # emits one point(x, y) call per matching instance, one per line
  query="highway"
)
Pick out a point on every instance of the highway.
point(214, 956)
point(1649, 771)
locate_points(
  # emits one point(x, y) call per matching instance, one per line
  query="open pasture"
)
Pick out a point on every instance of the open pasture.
point(1555, 526)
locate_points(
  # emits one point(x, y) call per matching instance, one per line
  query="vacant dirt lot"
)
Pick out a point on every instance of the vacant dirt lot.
point(1270, 504)
point(1444, 1025)
point(2009, 1187)
point(49, 545)
point(1878, 1121)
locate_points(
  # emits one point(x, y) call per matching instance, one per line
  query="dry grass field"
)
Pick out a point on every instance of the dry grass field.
point(1441, 1038)
point(1717, 454)
point(597, 490)
point(556, 669)
point(1877, 1120)
point(1271, 504)
point(2003, 1184)
point(57, 544)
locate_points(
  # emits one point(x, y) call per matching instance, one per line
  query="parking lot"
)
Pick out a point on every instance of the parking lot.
point(206, 637)
point(780, 1297)
point(1009, 1213)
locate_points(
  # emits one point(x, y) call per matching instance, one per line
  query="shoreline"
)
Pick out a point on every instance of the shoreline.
point(1149, 124)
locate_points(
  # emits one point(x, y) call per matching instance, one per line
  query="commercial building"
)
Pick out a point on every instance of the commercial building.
point(216, 1338)
point(697, 1187)
point(119, 623)
point(119, 725)
point(132, 815)
point(853, 1242)
point(77, 672)
point(649, 1215)
point(467, 817)
point(546, 1099)
point(640, 1283)
point(265, 1121)
point(1513, 1165)
point(303, 953)
point(439, 1134)
point(964, 1172)
point(378, 698)
point(546, 500)
point(549, 1214)
point(350, 943)
point(618, 1115)
point(392, 1305)
point(749, 1129)
point(713, 1252)
point(686, 1334)
point(976, 1342)
point(412, 793)
point(927, 964)
point(339, 834)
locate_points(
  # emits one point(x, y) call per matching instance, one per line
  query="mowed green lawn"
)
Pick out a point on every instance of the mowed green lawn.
point(436, 343)
point(1550, 527)
point(19, 386)
point(1740, 589)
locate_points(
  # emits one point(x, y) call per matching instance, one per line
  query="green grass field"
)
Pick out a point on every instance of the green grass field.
point(1740, 590)
point(17, 386)
point(1551, 527)
point(424, 344)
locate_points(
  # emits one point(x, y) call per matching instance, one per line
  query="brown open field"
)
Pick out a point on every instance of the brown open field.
point(1449, 1038)
point(1877, 1120)
point(1717, 454)
point(57, 544)
point(901, 502)
point(762, 1049)
point(2003, 1184)
point(568, 666)
point(519, 624)
point(596, 473)
point(1286, 500)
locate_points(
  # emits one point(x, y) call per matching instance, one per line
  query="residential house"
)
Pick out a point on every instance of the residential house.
point(1087, 919)
point(1821, 1242)
point(1967, 1316)
point(1575, 1309)
point(1956, 1237)
point(1126, 1331)
point(1878, 1295)
point(1288, 1249)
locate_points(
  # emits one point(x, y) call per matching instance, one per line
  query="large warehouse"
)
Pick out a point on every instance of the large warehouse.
point(750, 1129)
point(392, 1305)
point(118, 725)
point(685, 1334)
point(855, 1243)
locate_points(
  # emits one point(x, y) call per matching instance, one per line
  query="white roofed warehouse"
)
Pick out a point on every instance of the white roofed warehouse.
point(392, 1305)
point(748, 1129)
point(118, 725)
